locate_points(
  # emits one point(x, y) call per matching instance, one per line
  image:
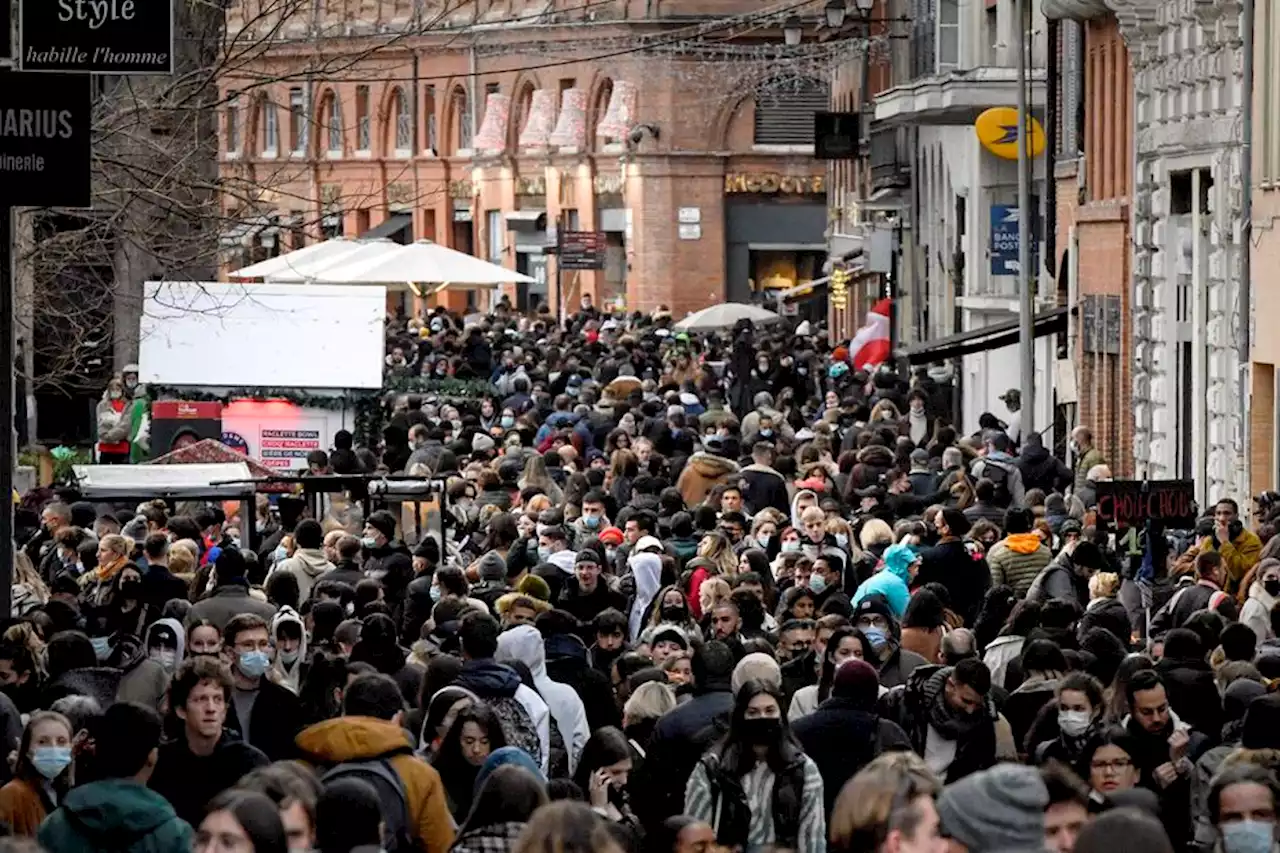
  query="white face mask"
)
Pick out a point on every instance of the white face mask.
point(1074, 723)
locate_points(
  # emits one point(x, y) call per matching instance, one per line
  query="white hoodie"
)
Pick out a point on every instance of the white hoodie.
point(647, 570)
point(524, 643)
point(288, 676)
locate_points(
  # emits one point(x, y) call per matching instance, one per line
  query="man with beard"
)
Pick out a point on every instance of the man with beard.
point(946, 713)
point(1165, 751)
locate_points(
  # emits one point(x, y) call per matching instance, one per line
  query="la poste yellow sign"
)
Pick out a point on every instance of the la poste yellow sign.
point(997, 130)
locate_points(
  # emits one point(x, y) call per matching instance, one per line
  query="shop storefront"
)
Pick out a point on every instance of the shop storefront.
point(775, 234)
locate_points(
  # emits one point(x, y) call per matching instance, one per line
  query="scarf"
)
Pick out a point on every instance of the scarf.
point(950, 723)
point(107, 571)
point(919, 426)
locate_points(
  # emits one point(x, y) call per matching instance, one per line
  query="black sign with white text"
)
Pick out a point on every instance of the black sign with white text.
point(6, 27)
point(45, 123)
point(97, 36)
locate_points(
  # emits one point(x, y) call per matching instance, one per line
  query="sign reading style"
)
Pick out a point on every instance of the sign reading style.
point(97, 36)
point(44, 140)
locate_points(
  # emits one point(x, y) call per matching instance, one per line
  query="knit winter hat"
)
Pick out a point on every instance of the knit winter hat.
point(997, 809)
point(857, 680)
point(492, 567)
point(756, 666)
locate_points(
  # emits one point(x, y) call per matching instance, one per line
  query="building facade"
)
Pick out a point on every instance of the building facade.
point(959, 63)
point(682, 131)
point(1093, 262)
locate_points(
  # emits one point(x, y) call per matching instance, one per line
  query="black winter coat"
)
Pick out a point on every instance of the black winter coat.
point(679, 740)
point(1193, 694)
point(392, 564)
point(963, 570)
point(189, 781)
point(274, 722)
point(841, 740)
point(907, 707)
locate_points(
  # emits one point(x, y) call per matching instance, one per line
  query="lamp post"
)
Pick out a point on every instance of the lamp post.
point(834, 12)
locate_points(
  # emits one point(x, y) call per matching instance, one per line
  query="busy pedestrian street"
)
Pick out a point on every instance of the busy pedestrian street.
point(604, 426)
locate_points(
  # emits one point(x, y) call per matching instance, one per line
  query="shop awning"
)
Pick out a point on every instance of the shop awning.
point(991, 337)
point(526, 220)
point(389, 227)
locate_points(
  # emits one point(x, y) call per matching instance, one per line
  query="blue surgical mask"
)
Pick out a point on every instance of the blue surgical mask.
point(369, 542)
point(766, 433)
point(876, 637)
point(544, 553)
point(791, 545)
point(508, 422)
point(253, 664)
point(592, 521)
point(281, 554)
point(763, 540)
point(436, 593)
point(817, 583)
point(842, 539)
point(101, 647)
point(50, 761)
point(1248, 836)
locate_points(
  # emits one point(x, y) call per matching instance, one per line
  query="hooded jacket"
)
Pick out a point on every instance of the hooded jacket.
point(362, 738)
point(647, 570)
point(179, 634)
point(524, 643)
point(115, 814)
point(1016, 560)
point(891, 581)
point(290, 675)
point(494, 682)
point(307, 565)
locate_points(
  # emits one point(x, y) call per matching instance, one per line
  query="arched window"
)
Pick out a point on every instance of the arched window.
point(598, 109)
point(331, 115)
point(459, 120)
point(785, 109)
point(402, 121)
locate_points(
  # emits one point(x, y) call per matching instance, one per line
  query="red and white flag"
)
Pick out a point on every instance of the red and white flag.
point(870, 346)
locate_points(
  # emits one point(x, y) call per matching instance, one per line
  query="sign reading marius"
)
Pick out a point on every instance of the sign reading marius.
point(44, 140)
point(97, 36)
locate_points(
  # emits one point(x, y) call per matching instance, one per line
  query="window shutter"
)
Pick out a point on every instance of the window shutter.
point(784, 115)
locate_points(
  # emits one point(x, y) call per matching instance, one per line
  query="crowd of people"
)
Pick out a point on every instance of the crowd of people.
point(693, 593)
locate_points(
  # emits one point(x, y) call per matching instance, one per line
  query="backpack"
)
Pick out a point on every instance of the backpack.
point(392, 797)
point(517, 726)
point(998, 473)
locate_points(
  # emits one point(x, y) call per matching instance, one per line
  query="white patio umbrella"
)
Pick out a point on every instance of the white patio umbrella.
point(328, 251)
point(724, 316)
point(310, 270)
point(421, 262)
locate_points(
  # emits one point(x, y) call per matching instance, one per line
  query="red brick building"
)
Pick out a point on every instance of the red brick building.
point(683, 131)
point(1095, 258)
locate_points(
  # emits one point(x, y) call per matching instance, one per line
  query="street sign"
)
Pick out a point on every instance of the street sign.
point(836, 136)
point(97, 36)
point(1004, 239)
point(45, 124)
point(582, 250)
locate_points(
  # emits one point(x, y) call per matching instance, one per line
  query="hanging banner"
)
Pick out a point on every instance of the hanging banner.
point(45, 125)
point(96, 36)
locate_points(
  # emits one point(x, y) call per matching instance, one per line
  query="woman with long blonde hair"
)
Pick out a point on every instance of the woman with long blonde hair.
point(536, 474)
point(716, 548)
point(28, 590)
